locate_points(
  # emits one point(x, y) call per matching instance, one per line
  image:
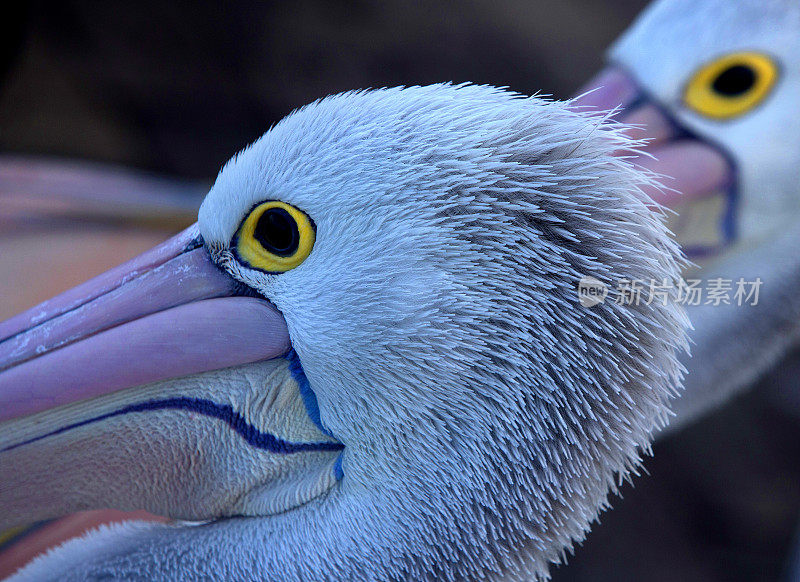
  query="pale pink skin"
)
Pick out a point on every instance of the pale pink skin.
point(166, 314)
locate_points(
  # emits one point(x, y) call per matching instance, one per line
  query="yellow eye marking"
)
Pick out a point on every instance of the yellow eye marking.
point(731, 85)
point(275, 237)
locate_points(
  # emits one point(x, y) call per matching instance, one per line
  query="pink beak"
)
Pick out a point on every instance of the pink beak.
point(168, 313)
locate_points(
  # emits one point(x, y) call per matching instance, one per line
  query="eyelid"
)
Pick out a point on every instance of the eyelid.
point(250, 252)
point(700, 96)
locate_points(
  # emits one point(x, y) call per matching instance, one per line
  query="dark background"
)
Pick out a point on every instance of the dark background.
point(178, 87)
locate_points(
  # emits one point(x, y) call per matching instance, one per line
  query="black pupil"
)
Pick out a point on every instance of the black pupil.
point(277, 232)
point(734, 81)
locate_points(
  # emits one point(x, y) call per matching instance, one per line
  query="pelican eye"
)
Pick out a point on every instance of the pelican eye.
point(731, 85)
point(274, 237)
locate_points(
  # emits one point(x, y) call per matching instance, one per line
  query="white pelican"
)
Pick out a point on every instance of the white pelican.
point(716, 86)
point(366, 362)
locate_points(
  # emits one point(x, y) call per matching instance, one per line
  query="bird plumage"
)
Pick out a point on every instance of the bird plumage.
point(485, 414)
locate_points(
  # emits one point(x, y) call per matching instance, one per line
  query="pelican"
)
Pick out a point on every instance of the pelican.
point(366, 361)
point(715, 85)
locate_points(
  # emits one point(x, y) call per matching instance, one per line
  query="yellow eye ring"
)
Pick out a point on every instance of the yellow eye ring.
point(731, 85)
point(275, 237)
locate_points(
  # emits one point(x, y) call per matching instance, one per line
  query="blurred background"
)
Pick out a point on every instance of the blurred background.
point(173, 89)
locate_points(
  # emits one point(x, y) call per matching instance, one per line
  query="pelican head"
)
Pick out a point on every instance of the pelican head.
point(716, 84)
point(368, 359)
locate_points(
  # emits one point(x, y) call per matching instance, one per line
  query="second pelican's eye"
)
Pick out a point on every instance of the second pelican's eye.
point(275, 237)
point(731, 85)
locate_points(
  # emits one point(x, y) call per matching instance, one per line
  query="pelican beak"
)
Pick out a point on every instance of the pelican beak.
point(698, 177)
point(161, 385)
